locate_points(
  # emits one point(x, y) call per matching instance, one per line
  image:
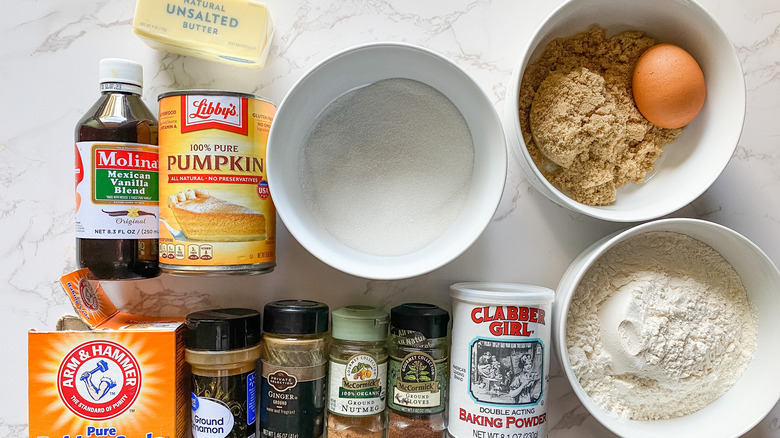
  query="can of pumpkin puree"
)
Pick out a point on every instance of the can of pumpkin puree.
point(500, 360)
point(216, 212)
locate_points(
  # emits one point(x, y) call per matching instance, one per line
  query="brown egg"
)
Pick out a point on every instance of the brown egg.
point(668, 86)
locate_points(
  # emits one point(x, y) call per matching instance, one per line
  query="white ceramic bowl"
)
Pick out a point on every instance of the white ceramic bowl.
point(754, 394)
point(696, 158)
point(357, 67)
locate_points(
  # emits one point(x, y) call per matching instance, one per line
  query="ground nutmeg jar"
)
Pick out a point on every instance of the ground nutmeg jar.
point(418, 371)
point(357, 392)
point(294, 365)
point(223, 346)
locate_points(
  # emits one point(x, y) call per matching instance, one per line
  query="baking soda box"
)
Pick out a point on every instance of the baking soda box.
point(125, 376)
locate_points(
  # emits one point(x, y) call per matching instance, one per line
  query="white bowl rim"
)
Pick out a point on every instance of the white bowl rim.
point(517, 144)
point(381, 272)
point(593, 253)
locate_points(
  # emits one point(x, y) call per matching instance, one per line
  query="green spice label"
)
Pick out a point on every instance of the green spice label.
point(419, 383)
point(116, 190)
point(358, 386)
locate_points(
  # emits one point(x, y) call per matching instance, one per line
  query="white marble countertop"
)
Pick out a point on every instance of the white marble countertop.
point(50, 53)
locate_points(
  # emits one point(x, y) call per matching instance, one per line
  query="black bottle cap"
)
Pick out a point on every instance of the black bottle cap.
point(295, 317)
point(223, 329)
point(427, 319)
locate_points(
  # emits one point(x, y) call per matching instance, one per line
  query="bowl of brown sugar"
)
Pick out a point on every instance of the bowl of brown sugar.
point(572, 120)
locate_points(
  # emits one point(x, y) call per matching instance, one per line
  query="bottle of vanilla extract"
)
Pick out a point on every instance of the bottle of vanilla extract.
point(116, 179)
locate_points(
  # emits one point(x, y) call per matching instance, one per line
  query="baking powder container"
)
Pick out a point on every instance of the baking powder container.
point(500, 360)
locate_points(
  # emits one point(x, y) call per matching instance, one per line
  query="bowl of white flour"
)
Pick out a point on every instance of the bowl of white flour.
point(669, 329)
point(386, 161)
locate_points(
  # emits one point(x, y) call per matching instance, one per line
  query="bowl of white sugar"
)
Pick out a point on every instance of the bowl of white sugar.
point(670, 329)
point(386, 161)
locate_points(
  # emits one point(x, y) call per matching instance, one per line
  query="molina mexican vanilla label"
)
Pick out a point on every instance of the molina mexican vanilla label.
point(216, 211)
point(500, 360)
point(116, 190)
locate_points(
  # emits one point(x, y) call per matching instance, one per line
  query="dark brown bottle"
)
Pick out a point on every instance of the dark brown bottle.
point(116, 179)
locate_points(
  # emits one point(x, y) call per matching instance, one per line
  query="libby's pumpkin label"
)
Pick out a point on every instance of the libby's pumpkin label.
point(216, 212)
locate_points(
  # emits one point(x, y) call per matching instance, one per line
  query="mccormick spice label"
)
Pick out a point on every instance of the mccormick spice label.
point(125, 378)
point(358, 386)
point(418, 383)
point(216, 211)
point(500, 366)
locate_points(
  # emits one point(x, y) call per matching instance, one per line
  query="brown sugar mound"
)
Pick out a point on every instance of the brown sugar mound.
point(578, 117)
point(568, 114)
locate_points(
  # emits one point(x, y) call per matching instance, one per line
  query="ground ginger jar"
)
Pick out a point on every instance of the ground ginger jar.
point(294, 366)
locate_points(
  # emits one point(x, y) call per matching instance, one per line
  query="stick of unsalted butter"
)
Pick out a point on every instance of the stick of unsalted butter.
point(236, 32)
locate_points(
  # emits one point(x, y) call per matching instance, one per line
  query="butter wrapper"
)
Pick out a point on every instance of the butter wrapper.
point(236, 32)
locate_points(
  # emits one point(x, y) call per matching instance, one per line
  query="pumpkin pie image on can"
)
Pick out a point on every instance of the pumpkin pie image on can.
point(216, 212)
point(205, 217)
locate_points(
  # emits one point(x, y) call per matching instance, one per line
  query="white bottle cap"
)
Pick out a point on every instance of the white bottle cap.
point(122, 74)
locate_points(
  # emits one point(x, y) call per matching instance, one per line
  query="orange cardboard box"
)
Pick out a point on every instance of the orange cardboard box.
point(126, 377)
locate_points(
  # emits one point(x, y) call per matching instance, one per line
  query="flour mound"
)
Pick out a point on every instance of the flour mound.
point(678, 334)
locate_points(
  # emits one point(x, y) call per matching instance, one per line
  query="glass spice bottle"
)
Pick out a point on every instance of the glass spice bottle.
point(294, 364)
point(418, 372)
point(222, 348)
point(116, 179)
point(358, 373)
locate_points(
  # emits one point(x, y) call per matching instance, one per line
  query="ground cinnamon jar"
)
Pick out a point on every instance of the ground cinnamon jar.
point(418, 371)
point(223, 346)
point(358, 373)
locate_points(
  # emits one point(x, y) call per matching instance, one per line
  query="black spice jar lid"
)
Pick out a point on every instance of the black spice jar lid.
point(427, 319)
point(223, 329)
point(295, 317)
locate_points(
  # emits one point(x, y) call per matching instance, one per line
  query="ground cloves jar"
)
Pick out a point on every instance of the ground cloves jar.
point(418, 371)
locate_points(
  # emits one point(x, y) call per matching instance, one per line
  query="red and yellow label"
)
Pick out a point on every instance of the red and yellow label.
point(116, 190)
point(125, 378)
point(215, 206)
point(81, 383)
